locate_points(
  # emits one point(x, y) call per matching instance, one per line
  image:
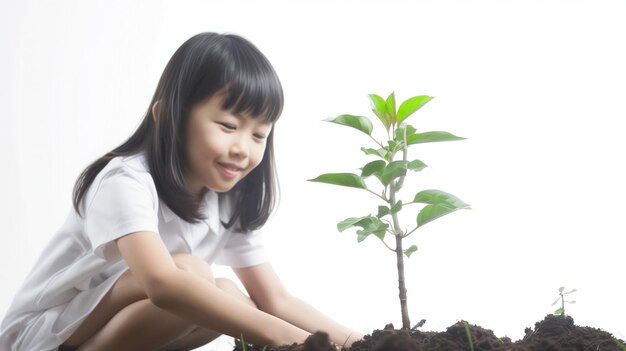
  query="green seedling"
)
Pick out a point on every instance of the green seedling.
point(561, 310)
point(244, 345)
point(390, 168)
point(469, 336)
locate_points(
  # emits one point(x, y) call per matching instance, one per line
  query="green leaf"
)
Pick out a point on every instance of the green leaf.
point(349, 222)
point(561, 289)
point(378, 231)
point(379, 107)
point(358, 122)
point(410, 130)
point(396, 207)
point(375, 167)
point(431, 137)
point(439, 203)
point(416, 165)
point(411, 105)
point(391, 107)
point(619, 344)
point(559, 311)
point(393, 170)
point(569, 292)
point(382, 153)
point(392, 145)
point(438, 197)
point(382, 211)
point(369, 225)
point(408, 252)
point(431, 212)
point(343, 179)
point(361, 236)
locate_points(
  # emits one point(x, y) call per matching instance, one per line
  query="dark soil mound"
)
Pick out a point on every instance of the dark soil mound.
point(554, 333)
point(316, 342)
point(454, 338)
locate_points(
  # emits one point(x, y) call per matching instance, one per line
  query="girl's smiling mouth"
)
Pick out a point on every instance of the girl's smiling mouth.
point(230, 170)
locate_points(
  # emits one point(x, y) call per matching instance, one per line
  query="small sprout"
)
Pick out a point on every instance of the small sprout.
point(419, 324)
point(244, 344)
point(469, 336)
point(561, 310)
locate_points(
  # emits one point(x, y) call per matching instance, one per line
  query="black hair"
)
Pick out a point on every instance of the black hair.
point(204, 65)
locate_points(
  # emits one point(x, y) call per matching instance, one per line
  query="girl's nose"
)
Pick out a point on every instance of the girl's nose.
point(239, 148)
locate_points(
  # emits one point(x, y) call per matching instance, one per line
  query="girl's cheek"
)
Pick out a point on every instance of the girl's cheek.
point(260, 154)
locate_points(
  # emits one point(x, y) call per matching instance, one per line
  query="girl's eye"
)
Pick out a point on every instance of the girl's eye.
point(260, 136)
point(228, 126)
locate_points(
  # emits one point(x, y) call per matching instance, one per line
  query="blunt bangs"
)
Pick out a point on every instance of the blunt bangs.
point(257, 96)
point(253, 86)
point(244, 76)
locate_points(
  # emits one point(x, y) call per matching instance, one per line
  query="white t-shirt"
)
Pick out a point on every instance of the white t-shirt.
point(82, 262)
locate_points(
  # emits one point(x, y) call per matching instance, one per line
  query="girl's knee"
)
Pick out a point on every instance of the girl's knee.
point(128, 289)
point(193, 264)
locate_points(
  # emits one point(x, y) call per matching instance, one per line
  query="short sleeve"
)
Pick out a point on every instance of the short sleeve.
point(243, 250)
point(122, 203)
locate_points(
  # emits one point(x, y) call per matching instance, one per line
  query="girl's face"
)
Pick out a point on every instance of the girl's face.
point(222, 148)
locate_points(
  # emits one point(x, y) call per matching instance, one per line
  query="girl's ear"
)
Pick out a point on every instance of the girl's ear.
point(155, 110)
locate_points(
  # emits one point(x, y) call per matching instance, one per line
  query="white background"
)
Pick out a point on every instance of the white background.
point(537, 87)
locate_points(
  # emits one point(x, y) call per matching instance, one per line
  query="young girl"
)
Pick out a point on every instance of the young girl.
point(130, 267)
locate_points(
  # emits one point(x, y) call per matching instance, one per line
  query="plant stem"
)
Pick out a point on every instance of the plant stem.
point(404, 158)
point(377, 142)
point(410, 232)
point(389, 247)
point(393, 189)
point(406, 323)
point(378, 195)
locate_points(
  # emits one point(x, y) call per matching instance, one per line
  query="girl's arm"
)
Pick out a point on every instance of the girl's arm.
point(269, 294)
point(196, 299)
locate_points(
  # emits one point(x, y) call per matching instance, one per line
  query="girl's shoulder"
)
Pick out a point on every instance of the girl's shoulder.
point(136, 162)
point(136, 165)
point(124, 174)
